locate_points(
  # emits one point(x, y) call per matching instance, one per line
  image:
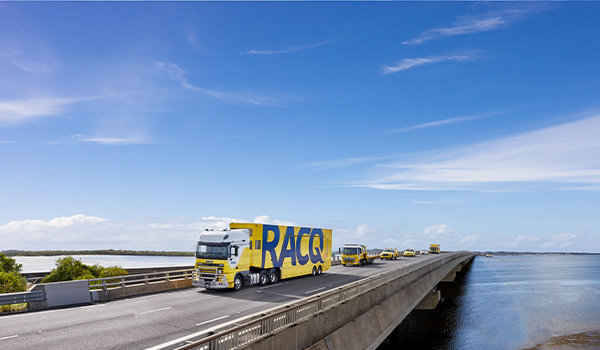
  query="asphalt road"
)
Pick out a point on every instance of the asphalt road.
point(146, 321)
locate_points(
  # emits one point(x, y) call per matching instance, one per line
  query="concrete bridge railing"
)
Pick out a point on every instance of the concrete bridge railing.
point(359, 315)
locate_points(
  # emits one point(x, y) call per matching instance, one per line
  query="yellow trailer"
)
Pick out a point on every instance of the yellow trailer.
point(247, 254)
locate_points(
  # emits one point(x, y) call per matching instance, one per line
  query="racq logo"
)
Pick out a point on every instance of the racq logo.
point(209, 261)
point(291, 245)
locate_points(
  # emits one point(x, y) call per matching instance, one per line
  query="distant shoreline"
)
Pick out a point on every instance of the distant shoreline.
point(93, 252)
point(532, 253)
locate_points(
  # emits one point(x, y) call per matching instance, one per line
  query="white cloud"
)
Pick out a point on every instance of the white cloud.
point(339, 163)
point(264, 219)
point(437, 123)
point(438, 231)
point(472, 24)
point(408, 63)
point(289, 49)
point(20, 111)
point(389, 241)
point(563, 237)
point(564, 153)
point(178, 74)
point(529, 239)
point(108, 140)
point(89, 232)
point(469, 239)
point(363, 230)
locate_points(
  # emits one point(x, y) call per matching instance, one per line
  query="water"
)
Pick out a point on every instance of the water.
point(511, 302)
point(47, 263)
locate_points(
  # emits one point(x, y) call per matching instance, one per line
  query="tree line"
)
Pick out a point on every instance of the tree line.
point(94, 252)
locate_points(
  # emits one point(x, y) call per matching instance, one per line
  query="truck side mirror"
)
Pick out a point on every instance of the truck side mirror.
point(233, 250)
point(340, 250)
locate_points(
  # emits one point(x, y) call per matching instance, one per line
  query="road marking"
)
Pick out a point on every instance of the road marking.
point(213, 320)
point(12, 336)
point(314, 290)
point(275, 285)
point(164, 308)
point(50, 311)
point(285, 295)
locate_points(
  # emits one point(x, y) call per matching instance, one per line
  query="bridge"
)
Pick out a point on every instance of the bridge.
point(344, 308)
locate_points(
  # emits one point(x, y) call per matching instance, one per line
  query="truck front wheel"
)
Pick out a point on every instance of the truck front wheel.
point(238, 283)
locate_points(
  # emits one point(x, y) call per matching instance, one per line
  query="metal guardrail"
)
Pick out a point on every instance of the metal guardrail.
point(145, 278)
point(247, 330)
point(23, 297)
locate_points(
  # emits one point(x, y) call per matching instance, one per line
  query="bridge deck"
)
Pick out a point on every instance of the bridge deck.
point(146, 321)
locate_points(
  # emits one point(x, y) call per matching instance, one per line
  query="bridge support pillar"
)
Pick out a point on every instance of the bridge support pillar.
point(430, 301)
point(449, 277)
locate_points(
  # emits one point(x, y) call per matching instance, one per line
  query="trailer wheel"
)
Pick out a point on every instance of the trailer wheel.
point(264, 278)
point(238, 283)
point(272, 276)
point(319, 270)
point(314, 271)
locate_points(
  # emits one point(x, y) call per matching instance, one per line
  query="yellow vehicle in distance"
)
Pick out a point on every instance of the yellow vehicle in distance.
point(389, 253)
point(409, 252)
point(434, 249)
point(356, 254)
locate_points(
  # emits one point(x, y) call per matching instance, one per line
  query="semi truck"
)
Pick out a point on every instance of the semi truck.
point(247, 254)
point(389, 253)
point(434, 249)
point(357, 255)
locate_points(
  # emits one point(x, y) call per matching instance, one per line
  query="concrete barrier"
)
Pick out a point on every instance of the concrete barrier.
point(62, 294)
point(139, 289)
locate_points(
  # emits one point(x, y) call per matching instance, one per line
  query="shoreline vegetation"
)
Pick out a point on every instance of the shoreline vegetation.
point(531, 253)
point(93, 252)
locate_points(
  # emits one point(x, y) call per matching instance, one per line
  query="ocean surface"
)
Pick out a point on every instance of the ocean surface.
point(47, 263)
point(511, 302)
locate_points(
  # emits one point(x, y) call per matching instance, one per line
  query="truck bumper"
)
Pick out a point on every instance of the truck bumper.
point(216, 281)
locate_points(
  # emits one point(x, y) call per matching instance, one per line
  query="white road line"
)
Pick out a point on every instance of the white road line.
point(275, 285)
point(12, 336)
point(213, 320)
point(286, 295)
point(164, 308)
point(314, 290)
point(37, 313)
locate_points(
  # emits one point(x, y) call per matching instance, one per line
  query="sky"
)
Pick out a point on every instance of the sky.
point(136, 125)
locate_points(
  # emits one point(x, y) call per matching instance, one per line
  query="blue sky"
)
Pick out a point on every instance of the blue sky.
point(135, 125)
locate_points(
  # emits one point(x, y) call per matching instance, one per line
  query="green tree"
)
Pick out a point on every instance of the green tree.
point(70, 269)
point(67, 269)
point(9, 264)
point(12, 282)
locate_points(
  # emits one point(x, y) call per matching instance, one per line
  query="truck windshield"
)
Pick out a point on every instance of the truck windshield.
point(388, 251)
point(349, 251)
point(211, 251)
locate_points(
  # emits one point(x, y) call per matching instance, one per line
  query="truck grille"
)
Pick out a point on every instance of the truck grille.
point(207, 274)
